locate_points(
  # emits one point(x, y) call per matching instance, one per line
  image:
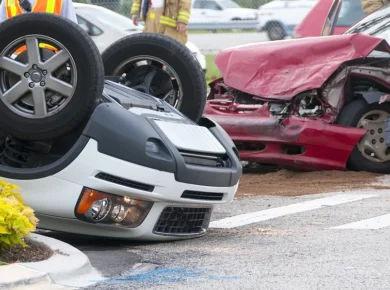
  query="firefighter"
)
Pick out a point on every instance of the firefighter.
point(10, 8)
point(168, 17)
point(370, 6)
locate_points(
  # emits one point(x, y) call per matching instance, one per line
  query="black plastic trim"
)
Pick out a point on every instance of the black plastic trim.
point(44, 171)
point(201, 195)
point(123, 135)
point(183, 221)
point(202, 175)
point(124, 182)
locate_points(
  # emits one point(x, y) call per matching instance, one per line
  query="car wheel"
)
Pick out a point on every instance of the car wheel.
point(160, 66)
point(275, 32)
point(45, 93)
point(371, 153)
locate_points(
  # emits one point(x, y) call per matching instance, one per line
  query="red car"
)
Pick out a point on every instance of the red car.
point(314, 103)
point(350, 13)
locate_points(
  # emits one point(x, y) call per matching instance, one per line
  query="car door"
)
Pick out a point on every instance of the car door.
point(206, 11)
point(342, 15)
point(197, 12)
point(351, 12)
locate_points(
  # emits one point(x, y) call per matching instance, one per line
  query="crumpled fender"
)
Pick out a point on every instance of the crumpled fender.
point(283, 69)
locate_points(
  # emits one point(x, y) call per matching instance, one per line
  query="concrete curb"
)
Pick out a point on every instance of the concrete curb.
point(67, 267)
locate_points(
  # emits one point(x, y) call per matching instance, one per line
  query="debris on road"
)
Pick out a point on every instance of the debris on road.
point(289, 183)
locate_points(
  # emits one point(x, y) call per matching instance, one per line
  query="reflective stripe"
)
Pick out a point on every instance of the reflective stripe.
point(41, 45)
point(168, 21)
point(48, 6)
point(13, 8)
point(135, 8)
point(183, 17)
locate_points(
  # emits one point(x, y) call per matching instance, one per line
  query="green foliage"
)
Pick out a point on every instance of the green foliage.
point(212, 70)
point(16, 219)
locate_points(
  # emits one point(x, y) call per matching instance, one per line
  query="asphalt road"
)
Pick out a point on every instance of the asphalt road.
point(283, 243)
point(213, 42)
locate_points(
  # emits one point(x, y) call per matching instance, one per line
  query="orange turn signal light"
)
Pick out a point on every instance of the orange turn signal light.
point(89, 196)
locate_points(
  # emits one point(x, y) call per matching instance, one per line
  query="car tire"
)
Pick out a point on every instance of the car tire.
point(170, 51)
point(275, 32)
point(87, 71)
point(350, 116)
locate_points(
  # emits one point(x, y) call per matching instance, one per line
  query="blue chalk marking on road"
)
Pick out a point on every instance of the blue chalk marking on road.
point(168, 275)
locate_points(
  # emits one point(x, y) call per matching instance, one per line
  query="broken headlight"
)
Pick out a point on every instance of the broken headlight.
point(309, 106)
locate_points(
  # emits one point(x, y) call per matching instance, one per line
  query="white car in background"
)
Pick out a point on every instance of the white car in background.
point(106, 26)
point(279, 17)
point(204, 11)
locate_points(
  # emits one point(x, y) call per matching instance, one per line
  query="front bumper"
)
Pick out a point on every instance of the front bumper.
point(153, 228)
point(294, 141)
point(59, 194)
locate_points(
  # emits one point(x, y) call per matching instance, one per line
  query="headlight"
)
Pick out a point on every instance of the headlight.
point(98, 207)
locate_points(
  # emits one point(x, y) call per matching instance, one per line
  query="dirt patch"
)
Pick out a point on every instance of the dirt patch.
point(35, 252)
point(289, 183)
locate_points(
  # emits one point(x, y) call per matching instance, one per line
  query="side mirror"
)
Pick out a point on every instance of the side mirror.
point(85, 28)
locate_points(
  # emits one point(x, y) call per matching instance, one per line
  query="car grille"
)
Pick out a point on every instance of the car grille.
point(179, 221)
point(200, 195)
point(124, 182)
point(204, 159)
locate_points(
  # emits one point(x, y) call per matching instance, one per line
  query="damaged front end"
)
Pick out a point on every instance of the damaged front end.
point(301, 131)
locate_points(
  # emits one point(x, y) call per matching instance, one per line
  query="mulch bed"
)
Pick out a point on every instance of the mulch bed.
point(35, 252)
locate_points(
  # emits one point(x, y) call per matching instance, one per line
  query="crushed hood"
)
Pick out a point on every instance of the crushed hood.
point(282, 69)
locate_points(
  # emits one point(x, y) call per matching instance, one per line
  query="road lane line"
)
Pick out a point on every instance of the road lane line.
point(254, 217)
point(368, 224)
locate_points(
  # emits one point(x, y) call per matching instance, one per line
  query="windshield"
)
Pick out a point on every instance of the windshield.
point(107, 17)
point(229, 4)
point(376, 24)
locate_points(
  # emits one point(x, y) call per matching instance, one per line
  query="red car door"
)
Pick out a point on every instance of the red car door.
point(342, 15)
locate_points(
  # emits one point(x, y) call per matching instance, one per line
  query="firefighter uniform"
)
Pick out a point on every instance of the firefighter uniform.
point(370, 6)
point(163, 17)
point(10, 8)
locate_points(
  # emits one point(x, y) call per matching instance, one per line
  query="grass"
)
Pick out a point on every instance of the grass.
point(212, 70)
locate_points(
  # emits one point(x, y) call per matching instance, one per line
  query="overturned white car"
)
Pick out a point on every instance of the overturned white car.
point(127, 155)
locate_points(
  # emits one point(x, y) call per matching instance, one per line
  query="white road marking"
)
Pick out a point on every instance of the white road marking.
point(254, 217)
point(368, 224)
